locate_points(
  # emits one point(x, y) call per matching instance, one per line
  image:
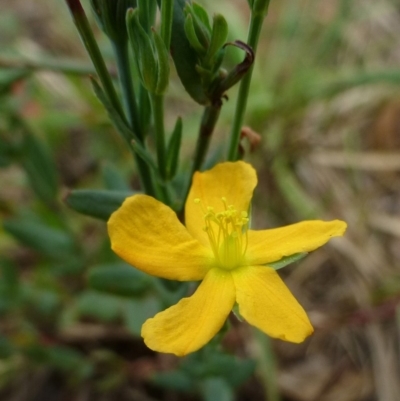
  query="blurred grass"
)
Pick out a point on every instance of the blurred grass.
point(325, 95)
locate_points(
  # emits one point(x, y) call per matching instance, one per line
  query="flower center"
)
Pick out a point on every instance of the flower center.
point(227, 233)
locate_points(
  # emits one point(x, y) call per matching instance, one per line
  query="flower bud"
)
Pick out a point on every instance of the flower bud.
point(150, 53)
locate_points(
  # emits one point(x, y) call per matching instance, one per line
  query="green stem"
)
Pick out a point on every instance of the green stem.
point(258, 13)
point(86, 34)
point(208, 122)
point(167, 10)
point(267, 366)
point(127, 89)
point(47, 64)
point(147, 13)
point(157, 104)
point(132, 112)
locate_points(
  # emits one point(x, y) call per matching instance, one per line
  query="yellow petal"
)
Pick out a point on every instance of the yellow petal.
point(234, 181)
point(194, 321)
point(266, 303)
point(267, 246)
point(148, 235)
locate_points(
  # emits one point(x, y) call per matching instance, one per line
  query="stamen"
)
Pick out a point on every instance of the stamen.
point(227, 233)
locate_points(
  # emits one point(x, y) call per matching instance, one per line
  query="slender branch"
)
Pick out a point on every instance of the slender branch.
point(267, 366)
point(167, 10)
point(62, 66)
point(127, 89)
point(157, 104)
point(132, 112)
point(257, 18)
point(83, 26)
point(208, 122)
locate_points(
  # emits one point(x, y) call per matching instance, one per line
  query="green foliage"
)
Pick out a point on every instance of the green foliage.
point(119, 279)
point(49, 241)
point(174, 147)
point(150, 54)
point(96, 203)
point(185, 56)
point(36, 159)
point(210, 372)
point(217, 389)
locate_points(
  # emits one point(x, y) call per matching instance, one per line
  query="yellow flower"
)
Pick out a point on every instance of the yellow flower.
point(217, 247)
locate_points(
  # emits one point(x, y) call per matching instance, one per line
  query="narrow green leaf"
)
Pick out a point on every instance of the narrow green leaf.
point(234, 370)
point(138, 310)
point(174, 380)
point(142, 48)
point(215, 388)
point(96, 203)
point(192, 36)
point(104, 307)
point(122, 127)
point(114, 115)
point(50, 241)
point(113, 179)
point(163, 64)
point(119, 279)
point(173, 150)
point(144, 155)
point(201, 24)
point(201, 13)
point(69, 360)
point(218, 36)
point(185, 57)
point(37, 161)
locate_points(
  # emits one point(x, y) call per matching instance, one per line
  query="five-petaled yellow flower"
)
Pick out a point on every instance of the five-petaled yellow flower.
point(218, 247)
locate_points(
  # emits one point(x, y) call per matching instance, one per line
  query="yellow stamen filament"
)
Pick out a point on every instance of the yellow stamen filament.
point(227, 233)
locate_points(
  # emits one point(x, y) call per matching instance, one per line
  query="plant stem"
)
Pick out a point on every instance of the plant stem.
point(208, 122)
point(127, 89)
point(132, 112)
point(167, 10)
point(267, 366)
point(157, 104)
point(47, 64)
point(258, 13)
point(86, 34)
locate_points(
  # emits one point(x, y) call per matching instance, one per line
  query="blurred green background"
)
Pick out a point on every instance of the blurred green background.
point(325, 100)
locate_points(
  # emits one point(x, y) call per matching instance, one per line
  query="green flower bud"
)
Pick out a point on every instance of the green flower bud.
point(150, 53)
